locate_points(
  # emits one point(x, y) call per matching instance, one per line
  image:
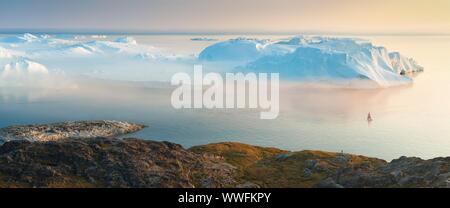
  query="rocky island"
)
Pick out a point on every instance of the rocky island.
point(77, 129)
point(95, 158)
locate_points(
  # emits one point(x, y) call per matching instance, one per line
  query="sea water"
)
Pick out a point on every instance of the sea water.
point(407, 121)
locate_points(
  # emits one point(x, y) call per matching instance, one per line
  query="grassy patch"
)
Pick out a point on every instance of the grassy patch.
point(238, 154)
point(270, 167)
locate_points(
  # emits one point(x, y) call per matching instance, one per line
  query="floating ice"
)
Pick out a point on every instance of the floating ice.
point(316, 58)
point(25, 73)
point(298, 58)
point(240, 49)
point(128, 40)
point(203, 39)
point(5, 53)
point(23, 67)
point(120, 59)
point(99, 36)
point(27, 37)
point(66, 45)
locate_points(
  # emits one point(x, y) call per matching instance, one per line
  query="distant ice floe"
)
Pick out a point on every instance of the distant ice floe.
point(303, 58)
point(127, 40)
point(99, 36)
point(316, 59)
point(78, 55)
point(19, 39)
point(66, 44)
point(203, 39)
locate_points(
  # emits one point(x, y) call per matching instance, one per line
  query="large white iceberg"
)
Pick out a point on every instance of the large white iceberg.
point(23, 72)
point(23, 67)
point(316, 58)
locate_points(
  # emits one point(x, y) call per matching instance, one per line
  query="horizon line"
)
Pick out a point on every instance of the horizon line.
point(206, 32)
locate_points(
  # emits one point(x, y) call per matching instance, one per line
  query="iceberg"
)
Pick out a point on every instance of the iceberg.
point(99, 36)
point(79, 49)
point(128, 40)
point(301, 58)
point(240, 49)
point(5, 53)
point(56, 46)
point(25, 73)
point(23, 67)
point(27, 37)
point(120, 59)
point(316, 59)
point(404, 65)
point(203, 39)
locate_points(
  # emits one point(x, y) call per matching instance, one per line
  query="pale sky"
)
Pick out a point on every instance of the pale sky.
point(344, 16)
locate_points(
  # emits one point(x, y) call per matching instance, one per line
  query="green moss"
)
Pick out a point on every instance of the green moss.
point(238, 154)
point(270, 167)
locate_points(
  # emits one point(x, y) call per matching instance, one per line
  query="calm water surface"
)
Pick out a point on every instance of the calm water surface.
point(412, 120)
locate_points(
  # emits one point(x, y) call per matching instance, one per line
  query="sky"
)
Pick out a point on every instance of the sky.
point(340, 16)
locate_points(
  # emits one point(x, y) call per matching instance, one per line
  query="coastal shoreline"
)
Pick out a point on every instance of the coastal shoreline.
point(96, 160)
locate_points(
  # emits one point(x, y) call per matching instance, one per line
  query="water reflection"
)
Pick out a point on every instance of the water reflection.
point(411, 120)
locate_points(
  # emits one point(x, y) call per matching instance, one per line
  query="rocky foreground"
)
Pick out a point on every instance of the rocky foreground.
point(112, 162)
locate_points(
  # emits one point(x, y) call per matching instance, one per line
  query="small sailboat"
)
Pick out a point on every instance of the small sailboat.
point(369, 118)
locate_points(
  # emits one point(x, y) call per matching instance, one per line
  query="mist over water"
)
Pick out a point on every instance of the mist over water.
point(409, 120)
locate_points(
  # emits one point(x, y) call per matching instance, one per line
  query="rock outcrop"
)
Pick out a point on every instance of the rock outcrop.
point(108, 162)
point(48, 156)
point(74, 129)
point(402, 172)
